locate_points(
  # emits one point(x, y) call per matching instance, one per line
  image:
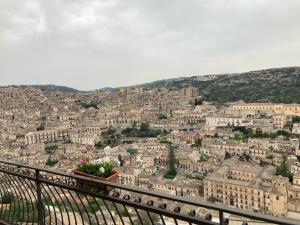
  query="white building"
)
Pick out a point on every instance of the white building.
point(224, 121)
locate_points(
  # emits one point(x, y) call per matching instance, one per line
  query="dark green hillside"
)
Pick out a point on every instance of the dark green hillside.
point(270, 85)
point(47, 87)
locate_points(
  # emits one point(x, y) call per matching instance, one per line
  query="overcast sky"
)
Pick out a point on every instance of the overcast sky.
point(89, 44)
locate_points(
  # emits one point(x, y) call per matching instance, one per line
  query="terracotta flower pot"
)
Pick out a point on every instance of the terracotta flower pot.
point(113, 179)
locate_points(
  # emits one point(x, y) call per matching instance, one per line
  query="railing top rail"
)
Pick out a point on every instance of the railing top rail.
point(184, 200)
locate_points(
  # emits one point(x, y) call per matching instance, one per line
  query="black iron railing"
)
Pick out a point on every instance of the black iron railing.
point(31, 195)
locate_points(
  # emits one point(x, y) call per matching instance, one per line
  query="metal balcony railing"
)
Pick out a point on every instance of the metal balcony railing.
point(31, 195)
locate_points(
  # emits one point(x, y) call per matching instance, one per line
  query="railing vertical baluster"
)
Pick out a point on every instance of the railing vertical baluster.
point(175, 220)
point(39, 198)
point(5, 189)
point(105, 190)
point(151, 220)
point(131, 222)
point(139, 216)
point(33, 190)
point(221, 217)
point(109, 211)
point(118, 212)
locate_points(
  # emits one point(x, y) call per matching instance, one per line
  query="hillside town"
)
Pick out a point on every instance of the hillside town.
point(244, 155)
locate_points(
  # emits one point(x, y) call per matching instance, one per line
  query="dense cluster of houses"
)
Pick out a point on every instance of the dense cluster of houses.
point(226, 153)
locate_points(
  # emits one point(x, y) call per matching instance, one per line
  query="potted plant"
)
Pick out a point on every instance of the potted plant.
point(103, 171)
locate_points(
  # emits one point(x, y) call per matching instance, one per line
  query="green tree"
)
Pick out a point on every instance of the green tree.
point(132, 151)
point(121, 160)
point(144, 127)
point(134, 125)
point(51, 149)
point(41, 127)
point(288, 126)
point(198, 102)
point(283, 133)
point(162, 117)
point(203, 158)
point(284, 169)
point(7, 198)
point(296, 119)
point(171, 172)
point(227, 155)
point(90, 105)
point(111, 137)
point(249, 132)
point(20, 136)
point(99, 145)
point(51, 162)
point(258, 131)
point(238, 137)
point(143, 131)
point(198, 143)
point(245, 157)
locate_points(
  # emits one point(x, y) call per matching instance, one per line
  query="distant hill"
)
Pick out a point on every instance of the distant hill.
point(278, 85)
point(269, 85)
point(50, 88)
point(107, 89)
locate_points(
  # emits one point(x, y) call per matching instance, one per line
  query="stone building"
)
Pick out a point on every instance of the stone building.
point(248, 186)
point(286, 109)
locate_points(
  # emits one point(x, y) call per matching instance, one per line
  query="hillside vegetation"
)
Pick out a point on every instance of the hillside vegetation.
point(47, 87)
point(270, 85)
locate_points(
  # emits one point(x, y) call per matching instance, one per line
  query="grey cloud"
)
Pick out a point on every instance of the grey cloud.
point(94, 43)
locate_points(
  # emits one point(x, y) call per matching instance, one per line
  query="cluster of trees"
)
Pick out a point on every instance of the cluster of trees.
point(258, 86)
point(245, 157)
point(143, 131)
point(192, 176)
point(7, 198)
point(109, 138)
point(296, 119)
point(163, 141)
point(112, 138)
point(20, 136)
point(51, 162)
point(51, 149)
point(249, 133)
point(90, 105)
